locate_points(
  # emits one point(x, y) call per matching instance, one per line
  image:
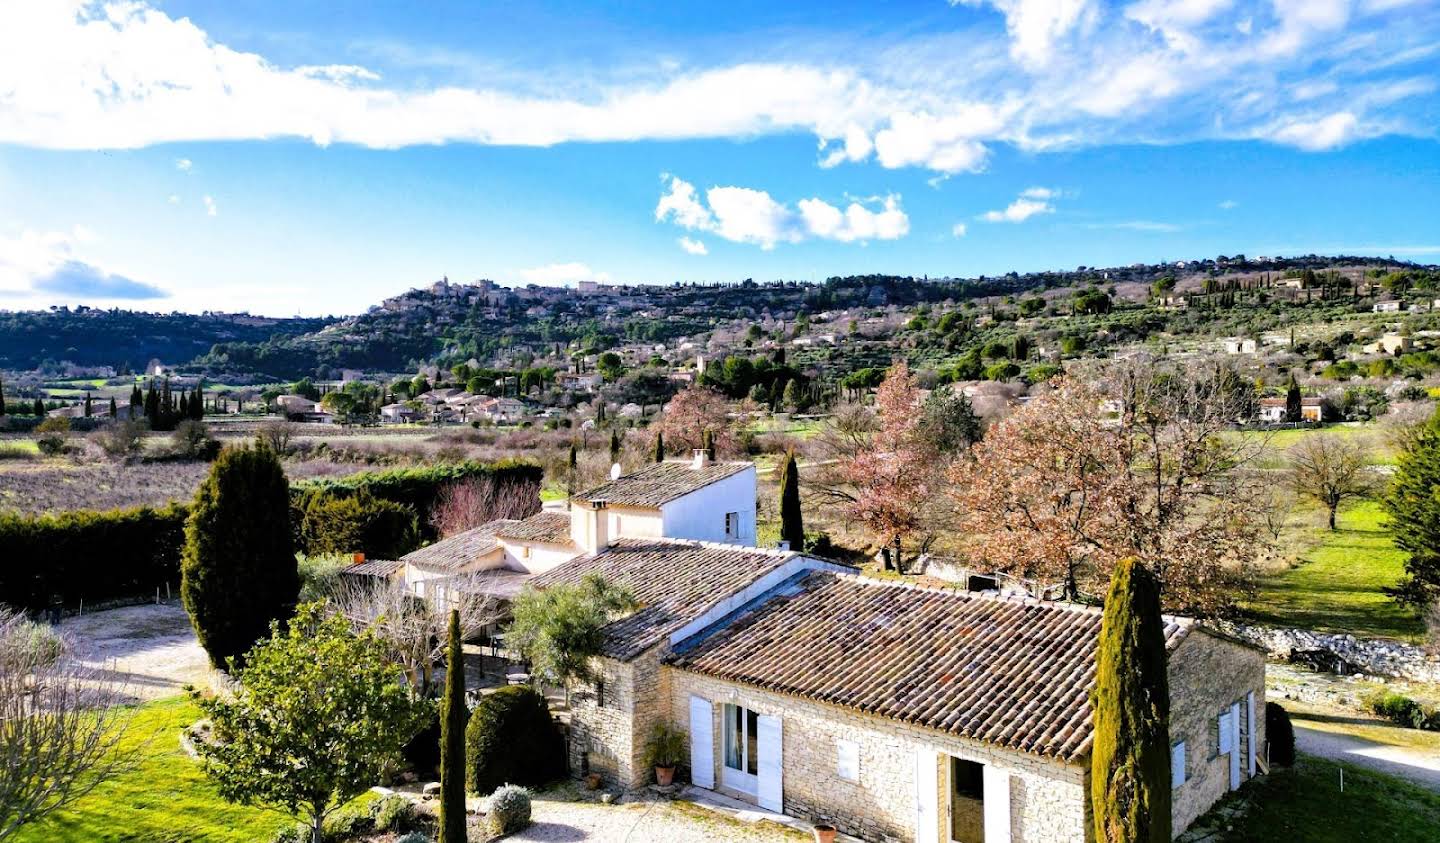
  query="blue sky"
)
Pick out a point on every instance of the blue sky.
point(310, 157)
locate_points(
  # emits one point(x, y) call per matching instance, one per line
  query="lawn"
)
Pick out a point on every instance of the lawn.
point(165, 799)
point(1306, 803)
point(1337, 585)
point(1279, 441)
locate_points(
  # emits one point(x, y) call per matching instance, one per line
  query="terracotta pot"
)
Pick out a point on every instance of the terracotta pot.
point(664, 776)
point(824, 833)
point(592, 781)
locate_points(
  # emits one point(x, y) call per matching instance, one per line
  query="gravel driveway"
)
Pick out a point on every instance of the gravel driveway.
point(1422, 768)
point(150, 648)
point(559, 820)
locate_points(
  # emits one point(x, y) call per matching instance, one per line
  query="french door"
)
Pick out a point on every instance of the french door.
point(742, 749)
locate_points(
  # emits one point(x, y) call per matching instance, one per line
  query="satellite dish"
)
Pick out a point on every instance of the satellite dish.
point(615, 471)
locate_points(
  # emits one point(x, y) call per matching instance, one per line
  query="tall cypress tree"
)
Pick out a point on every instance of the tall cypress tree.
point(89, 408)
point(792, 525)
point(707, 443)
point(114, 410)
point(39, 407)
point(1130, 762)
point(1413, 504)
point(614, 446)
point(1293, 404)
point(2, 397)
point(137, 402)
point(238, 570)
point(152, 404)
point(453, 715)
point(659, 454)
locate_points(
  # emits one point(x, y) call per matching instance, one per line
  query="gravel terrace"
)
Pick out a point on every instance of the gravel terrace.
point(559, 818)
point(151, 648)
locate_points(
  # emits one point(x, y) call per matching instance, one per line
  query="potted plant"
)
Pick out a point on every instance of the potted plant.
point(665, 749)
point(824, 833)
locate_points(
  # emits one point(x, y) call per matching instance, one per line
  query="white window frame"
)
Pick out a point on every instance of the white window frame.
point(739, 779)
point(847, 760)
point(732, 526)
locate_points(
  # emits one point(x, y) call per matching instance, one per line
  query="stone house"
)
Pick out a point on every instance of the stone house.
point(889, 710)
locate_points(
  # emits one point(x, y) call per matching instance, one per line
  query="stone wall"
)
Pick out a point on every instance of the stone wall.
point(1047, 797)
point(1207, 674)
point(1344, 654)
point(611, 720)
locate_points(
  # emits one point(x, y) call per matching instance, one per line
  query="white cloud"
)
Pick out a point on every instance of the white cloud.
point(210, 208)
point(958, 230)
point(87, 74)
point(1031, 201)
point(174, 199)
point(747, 215)
point(48, 267)
point(1316, 134)
point(692, 246)
point(184, 164)
point(1228, 204)
point(556, 274)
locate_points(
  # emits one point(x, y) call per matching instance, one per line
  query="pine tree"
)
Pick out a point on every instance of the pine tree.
point(1130, 761)
point(453, 715)
point(792, 525)
point(614, 446)
point(238, 570)
point(1293, 403)
point(659, 455)
point(1413, 503)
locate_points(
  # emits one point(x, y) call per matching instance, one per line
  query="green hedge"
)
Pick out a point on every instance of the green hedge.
point(99, 556)
point(90, 556)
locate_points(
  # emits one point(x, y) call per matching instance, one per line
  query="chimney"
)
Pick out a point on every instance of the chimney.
point(701, 459)
point(590, 525)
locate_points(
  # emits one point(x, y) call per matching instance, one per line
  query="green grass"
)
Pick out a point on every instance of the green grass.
point(164, 799)
point(1279, 441)
point(1337, 586)
point(1304, 803)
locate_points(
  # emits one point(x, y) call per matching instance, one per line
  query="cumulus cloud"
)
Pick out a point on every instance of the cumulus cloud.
point(747, 215)
point(557, 274)
point(692, 246)
point(1030, 202)
point(47, 264)
point(210, 209)
point(184, 164)
point(958, 230)
point(86, 74)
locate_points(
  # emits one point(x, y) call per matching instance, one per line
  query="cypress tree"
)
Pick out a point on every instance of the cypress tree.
point(1413, 504)
point(39, 407)
point(572, 464)
point(792, 525)
point(659, 454)
point(137, 402)
point(453, 715)
point(614, 446)
point(89, 408)
point(707, 443)
point(114, 410)
point(2, 397)
point(1292, 400)
point(152, 404)
point(1130, 762)
point(238, 570)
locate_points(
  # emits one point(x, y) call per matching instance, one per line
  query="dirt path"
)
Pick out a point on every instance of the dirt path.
point(151, 648)
point(1422, 768)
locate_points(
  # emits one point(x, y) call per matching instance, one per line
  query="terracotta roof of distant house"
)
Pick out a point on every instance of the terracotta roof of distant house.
point(674, 581)
point(1011, 672)
point(543, 526)
point(659, 483)
point(458, 550)
point(374, 568)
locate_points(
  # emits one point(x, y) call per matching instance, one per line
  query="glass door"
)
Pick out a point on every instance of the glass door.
point(740, 769)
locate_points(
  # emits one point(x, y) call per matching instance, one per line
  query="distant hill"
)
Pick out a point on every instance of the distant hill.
point(89, 337)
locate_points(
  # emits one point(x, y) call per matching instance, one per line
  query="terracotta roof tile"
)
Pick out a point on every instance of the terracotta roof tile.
point(544, 526)
point(1011, 672)
point(458, 550)
point(374, 568)
point(674, 581)
point(662, 482)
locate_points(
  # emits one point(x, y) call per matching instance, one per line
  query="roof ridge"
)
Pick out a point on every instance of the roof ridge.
point(766, 551)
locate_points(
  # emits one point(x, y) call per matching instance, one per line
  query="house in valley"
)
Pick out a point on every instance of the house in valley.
point(888, 710)
point(1273, 410)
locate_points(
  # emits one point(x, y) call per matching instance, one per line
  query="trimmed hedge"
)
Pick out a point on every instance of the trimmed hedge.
point(90, 556)
point(128, 553)
point(511, 739)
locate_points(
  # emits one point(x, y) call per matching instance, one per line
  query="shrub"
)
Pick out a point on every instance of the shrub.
point(192, 441)
point(666, 746)
point(1404, 711)
point(512, 738)
point(349, 823)
point(509, 810)
point(331, 522)
point(1280, 735)
point(320, 575)
point(414, 837)
point(120, 438)
point(393, 813)
point(298, 833)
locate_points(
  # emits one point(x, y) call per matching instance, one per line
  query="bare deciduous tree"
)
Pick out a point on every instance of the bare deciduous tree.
point(1331, 469)
point(466, 504)
point(59, 724)
point(277, 434)
point(413, 629)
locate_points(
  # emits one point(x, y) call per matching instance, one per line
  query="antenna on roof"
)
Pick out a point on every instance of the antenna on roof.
point(615, 471)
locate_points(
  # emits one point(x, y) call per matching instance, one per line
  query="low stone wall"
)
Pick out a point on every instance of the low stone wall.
point(1343, 654)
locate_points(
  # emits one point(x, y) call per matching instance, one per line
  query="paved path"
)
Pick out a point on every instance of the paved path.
point(1422, 768)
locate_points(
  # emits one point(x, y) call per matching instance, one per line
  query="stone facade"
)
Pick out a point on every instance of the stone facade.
point(1207, 675)
point(1047, 798)
point(611, 721)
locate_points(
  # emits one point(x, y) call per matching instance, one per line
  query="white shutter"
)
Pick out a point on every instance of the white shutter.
point(927, 797)
point(1250, 733)
point(702, 743)
point(997, 805)
point(770, 764)
point(1177, 764)
point(1225, 744)
point(1234, 745)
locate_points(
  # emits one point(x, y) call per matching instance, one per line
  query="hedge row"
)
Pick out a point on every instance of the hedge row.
point(100, 556)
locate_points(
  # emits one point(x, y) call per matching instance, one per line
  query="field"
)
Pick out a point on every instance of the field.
point(1336, 587)
point(1277, 442)
point(164, 799)
point(1305, 803)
